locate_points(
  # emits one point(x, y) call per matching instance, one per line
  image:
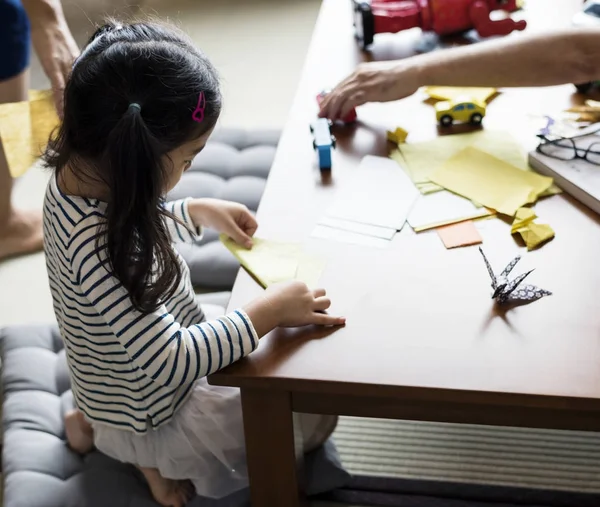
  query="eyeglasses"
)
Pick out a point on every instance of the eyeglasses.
point(572, 148)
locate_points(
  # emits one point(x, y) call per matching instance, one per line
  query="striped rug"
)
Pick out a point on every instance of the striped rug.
point(481, 458)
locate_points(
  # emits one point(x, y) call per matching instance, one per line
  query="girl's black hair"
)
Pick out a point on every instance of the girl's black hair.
point(125, 148)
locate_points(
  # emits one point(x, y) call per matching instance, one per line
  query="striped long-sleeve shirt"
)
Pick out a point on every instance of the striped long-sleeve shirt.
point(128, 369)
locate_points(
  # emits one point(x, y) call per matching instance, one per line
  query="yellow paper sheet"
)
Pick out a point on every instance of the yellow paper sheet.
point(452, 93)
point(271, 262)
point(310, 269)
point(423, 159)
point(533, 234)
point(25, 128)
point(479, 176)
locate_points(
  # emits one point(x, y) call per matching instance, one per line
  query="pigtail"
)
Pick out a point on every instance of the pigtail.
point(138, 245)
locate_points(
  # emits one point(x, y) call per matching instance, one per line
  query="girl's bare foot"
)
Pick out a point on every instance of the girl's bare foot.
point(80, 434)
point(21, 234)
point(168, 492)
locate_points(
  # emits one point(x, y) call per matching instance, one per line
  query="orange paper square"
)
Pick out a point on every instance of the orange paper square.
point(460, 234)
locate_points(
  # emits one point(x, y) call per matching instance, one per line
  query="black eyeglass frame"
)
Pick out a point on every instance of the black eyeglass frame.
point(570, 144)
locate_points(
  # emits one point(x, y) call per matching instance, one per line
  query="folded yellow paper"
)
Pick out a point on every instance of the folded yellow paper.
point(397, 136)
point(479, 176)
point(533, 234)
point(523, 217)
point(453, 92)
point(25, 128)
point(270, 262)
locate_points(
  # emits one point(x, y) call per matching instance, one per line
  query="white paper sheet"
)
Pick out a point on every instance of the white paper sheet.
point(380, 193)
point(366, 229)
point(442, 208)
point(331, 234)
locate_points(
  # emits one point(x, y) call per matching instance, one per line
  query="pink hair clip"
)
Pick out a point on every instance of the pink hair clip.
point(198, 114)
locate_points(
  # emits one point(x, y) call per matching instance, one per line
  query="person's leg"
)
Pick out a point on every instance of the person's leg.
point(167, 492)
point(20, 230)
point(79, 432)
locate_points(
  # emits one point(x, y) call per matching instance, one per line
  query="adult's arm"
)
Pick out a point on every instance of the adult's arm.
point(543, 59)
point(53, 42)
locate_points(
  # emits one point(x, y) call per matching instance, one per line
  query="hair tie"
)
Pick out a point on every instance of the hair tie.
point(198, 114)
point(135, 105)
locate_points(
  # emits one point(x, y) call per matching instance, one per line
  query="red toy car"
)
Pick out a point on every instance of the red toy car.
point(442, 17)
point(350, 117)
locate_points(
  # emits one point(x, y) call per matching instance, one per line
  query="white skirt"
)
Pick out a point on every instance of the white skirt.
point(203, 442)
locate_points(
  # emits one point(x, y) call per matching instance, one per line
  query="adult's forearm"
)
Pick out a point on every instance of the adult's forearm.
point(43, 11)
point(568, 56)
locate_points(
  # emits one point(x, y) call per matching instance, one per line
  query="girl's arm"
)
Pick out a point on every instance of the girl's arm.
point(567, 56)
point(176, 353)
point(181, 210)
point(168, 351)
point(230, 218)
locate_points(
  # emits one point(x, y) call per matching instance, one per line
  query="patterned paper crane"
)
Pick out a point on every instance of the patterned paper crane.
point(506, 290)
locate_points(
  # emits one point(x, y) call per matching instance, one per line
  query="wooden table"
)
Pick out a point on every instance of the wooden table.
point(423, 339)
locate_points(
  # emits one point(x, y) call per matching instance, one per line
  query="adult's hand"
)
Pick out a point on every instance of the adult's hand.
point(53, 42)
point(371, 82)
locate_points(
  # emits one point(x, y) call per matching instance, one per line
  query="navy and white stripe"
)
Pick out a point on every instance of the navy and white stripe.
point(128, 369)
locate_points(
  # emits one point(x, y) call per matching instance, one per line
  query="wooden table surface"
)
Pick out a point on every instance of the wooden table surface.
point(420, 321)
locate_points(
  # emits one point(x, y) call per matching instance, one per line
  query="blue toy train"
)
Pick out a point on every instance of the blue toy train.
point(323, 142)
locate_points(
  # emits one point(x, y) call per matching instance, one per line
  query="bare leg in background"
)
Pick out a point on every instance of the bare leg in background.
point(20, 230)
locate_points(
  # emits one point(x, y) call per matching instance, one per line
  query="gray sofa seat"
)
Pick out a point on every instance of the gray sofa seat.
point(40, 470)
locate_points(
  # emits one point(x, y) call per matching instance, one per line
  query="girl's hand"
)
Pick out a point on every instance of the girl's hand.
point(290, 304)
point(230, 218)
point(296, 305)
point(370, 82)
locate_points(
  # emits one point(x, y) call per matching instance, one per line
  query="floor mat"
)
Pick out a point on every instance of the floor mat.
point(408, 463)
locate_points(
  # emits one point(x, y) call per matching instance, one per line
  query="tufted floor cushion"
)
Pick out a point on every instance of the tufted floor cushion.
point(40, 470)
point(234, 166)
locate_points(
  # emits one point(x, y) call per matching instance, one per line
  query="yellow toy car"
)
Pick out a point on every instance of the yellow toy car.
point(464, 109)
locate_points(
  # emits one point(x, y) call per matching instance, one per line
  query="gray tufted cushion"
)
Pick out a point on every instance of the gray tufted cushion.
point(234, 166)
point(38, 467)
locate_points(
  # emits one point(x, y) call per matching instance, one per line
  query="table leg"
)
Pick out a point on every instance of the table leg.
point(273, 465)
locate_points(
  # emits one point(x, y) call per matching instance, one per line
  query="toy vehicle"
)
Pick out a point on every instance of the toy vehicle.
point(350, 117)
point(465, 109)
point(443, 17)
point(588, 16)
point(323, 142)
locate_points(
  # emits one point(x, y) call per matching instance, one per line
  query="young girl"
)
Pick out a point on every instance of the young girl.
point(140, 104)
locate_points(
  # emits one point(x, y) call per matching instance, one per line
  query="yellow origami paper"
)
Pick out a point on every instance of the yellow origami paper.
point(523, 218)
point(533, 234)
point(270, 262)
point(397, 136)
point(452, 92)
point(536, 234)
point(483, 178)
point(423, 159)
point(25, 128)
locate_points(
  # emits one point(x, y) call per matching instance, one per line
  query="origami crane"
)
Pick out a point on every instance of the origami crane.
point(506, 290)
